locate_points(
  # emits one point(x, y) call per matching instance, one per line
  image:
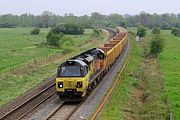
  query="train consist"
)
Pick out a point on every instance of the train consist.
point(77, 76)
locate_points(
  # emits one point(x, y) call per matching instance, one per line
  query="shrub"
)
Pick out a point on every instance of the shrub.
point(157, 45)
point(141, 31)
point(69, 28)
point(96, 33)
point(66, 41)
point(175, 31)
point(54, 39)
point(35, 31)
point(67, 49)
point(156, 30)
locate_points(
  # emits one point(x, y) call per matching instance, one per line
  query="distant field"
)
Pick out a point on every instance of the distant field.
point(170, 64)
point(17, 83)
point(17, 46)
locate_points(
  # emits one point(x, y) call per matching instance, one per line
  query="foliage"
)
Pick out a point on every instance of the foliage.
point(68, 49)
point(49, 19)
point(175, 31)
point(123, 24)
point(7, 25)
point(35, 31)
point(157, 45)
point(156, 30)
point(165, 26)
point(69, 28)
point(141, 31)
point(54, 39)
point(96, 33)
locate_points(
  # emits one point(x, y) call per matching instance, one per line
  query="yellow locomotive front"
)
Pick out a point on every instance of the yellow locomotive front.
point(72, 79)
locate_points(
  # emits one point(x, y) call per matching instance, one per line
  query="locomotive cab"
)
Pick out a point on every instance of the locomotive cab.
point(72, 78)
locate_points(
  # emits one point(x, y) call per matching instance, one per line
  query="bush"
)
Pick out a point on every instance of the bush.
point(141, 31)
point(66, 41)
point(69, 28)
point(35, 31)
point(175, 31)
point(96, 33)
point(156, 30)
point(157, 45)
point(54, 39)
point(67, 50)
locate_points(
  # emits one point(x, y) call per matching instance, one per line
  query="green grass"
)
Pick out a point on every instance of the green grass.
point(170, 64)
point(121, 94)
point(18, 46)
point(17, 83)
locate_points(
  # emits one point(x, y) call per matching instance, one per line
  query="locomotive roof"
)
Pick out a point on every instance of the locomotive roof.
point(74, 62)
point(84, 58)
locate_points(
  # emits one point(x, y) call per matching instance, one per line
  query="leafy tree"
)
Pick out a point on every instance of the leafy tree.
point(175, 31)
point(165, 26)
point(141, 30)
point(156, 30)
point(35, 31)
point(157, 45)
point(123, 24)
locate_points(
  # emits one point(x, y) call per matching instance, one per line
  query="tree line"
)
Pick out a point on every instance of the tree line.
point(49, 19)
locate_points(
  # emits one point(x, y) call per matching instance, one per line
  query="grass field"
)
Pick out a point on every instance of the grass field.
point(17, 83)
point(170, 64)
point(18, 46)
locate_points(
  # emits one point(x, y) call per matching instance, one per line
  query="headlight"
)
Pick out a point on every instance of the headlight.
point(79, 85)
point(60, 84)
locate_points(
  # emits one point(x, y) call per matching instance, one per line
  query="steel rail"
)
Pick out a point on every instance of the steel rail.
point(27, 101)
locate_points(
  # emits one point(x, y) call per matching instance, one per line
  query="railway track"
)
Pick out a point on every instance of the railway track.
point(111, 31)
point(71, 107)
point(27, 106)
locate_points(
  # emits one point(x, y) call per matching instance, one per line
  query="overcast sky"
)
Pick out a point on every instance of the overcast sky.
point(81, 7)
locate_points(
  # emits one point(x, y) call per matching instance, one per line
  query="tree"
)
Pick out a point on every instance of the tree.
point(157, 45)
point(156, 30)
point(175, 31)
point(35, 31)
point(141, 31)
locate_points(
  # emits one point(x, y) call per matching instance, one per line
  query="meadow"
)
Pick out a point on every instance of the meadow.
point(19, 47)
point(170, 65)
